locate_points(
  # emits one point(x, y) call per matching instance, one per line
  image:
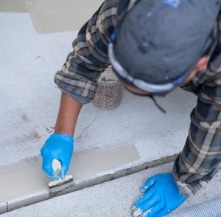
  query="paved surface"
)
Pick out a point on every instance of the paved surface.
point(110, 199)
point(29, 104)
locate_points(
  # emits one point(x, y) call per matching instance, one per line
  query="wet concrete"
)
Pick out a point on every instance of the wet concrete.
point(24, 183)
point(13, 6)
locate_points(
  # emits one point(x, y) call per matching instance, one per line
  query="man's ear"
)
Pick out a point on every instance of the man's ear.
point(202, 64)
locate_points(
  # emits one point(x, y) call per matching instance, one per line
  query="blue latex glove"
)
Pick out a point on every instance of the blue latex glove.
point(160, 197)
point(60, 147)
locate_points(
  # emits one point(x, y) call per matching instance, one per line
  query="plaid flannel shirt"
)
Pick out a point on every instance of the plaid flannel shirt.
point(200, 158)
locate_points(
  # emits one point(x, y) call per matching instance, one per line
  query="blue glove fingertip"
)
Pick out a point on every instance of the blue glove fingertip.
point(146, 213)
point(137, 212)
point(148, 184)
point(143, 189)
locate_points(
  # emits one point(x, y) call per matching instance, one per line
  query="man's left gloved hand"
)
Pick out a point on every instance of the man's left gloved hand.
point(160, 196)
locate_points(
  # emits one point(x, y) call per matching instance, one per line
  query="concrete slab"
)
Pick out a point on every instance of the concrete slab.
point(58, 16)
point(114, 198)
point(13, 6)
point(3, 208)
point(24, 183)
point(44, 15)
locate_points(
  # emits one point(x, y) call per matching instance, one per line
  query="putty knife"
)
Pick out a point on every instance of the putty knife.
point(56, 166)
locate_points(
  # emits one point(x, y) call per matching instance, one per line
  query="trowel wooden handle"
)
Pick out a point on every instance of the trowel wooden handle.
point(56, 166)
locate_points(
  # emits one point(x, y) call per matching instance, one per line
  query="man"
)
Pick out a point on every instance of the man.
point(154, 46)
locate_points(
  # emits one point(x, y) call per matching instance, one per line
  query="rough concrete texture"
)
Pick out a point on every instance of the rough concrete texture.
point(29, 104)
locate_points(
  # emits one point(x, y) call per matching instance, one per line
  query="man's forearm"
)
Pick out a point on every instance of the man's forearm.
point(67, 115)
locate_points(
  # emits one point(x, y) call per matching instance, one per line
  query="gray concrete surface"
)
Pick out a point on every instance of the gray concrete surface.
point(114, 198)
point(29, 104)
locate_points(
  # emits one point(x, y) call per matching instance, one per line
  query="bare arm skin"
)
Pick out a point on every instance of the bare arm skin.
point(67, 115)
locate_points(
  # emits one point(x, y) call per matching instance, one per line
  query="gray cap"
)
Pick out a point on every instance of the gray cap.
point(159, 40)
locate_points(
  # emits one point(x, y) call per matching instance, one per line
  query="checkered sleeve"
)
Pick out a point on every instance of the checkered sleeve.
point(79, 74)
point(200, 158)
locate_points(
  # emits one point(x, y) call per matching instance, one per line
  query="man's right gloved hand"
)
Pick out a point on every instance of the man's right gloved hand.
point(60, 147)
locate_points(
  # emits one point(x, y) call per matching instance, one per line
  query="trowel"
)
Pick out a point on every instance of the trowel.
point(56, 166)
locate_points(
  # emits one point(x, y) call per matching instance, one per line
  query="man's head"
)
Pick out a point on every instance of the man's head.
point(200, 67)
point(160, 44)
